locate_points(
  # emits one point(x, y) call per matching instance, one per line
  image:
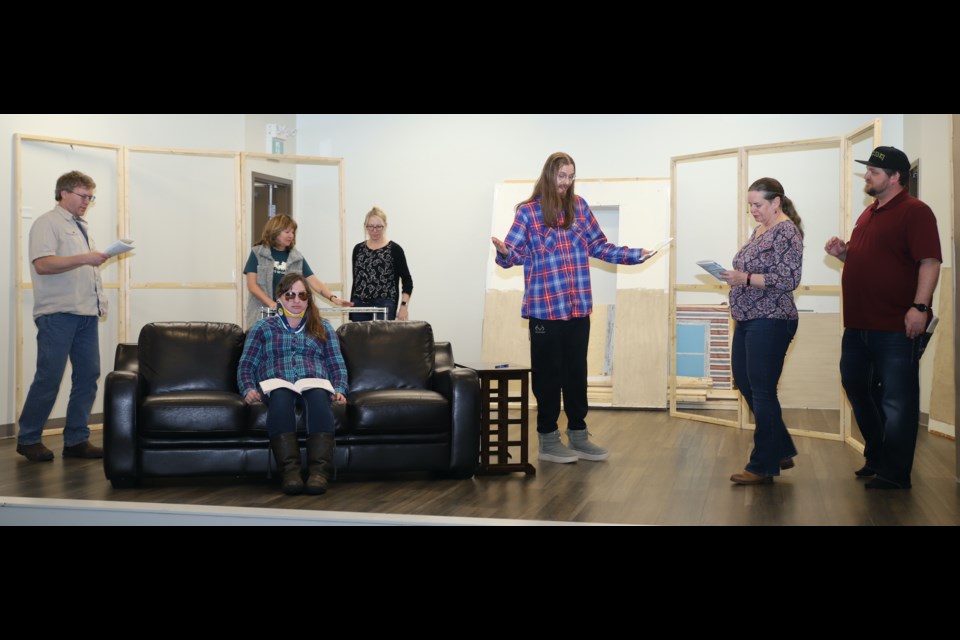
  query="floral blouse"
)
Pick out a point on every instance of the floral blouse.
point(778, 256)
point(376, 272)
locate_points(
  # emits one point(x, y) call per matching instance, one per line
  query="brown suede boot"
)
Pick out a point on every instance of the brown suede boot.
point(320, 462)
point(286, 451)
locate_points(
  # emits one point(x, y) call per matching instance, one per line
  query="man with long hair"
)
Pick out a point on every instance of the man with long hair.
point(554, 235)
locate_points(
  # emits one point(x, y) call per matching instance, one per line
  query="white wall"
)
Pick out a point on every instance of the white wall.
point(433, 174)
point(256, 132)
point(926, 138)
point(204, 131)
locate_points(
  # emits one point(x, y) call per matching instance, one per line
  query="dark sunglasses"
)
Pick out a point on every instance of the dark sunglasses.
point(303, 295)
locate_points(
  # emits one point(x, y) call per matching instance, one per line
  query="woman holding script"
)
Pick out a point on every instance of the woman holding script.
point(299, 347)
point(765, 273)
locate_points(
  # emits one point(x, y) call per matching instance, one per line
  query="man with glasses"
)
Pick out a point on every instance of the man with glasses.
point(68, 302)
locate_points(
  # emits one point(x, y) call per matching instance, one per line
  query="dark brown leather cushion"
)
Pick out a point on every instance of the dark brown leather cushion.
point(190, 356)
point(385, 354)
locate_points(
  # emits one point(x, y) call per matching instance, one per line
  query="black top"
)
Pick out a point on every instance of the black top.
point(376, 271)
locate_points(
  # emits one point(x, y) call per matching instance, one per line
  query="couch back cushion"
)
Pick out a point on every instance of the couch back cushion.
point(190, 356)
point(384, 354)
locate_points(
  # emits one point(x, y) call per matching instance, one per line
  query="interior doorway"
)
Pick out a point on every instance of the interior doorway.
point(272, 195)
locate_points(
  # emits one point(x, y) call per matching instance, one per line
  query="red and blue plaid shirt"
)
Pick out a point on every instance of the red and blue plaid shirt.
point(273, 351)
point(556, 261)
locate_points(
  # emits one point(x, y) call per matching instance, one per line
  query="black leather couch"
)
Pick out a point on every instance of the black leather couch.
point(172, 407)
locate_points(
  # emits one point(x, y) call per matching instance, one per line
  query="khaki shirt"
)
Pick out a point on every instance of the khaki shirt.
point(78, 291)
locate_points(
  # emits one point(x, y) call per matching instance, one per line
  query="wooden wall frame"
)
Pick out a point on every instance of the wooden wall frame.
point(246, 240)
point(22, 285)
point(844, 145)
point(124, 284)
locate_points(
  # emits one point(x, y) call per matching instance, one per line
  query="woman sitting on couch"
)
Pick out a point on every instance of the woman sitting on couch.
point(294, 357)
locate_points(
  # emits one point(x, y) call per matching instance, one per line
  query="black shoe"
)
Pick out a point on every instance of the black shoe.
point(880, 483)
point(35, 452)
point(865, 472)
point(83, 450)
point(787, 463)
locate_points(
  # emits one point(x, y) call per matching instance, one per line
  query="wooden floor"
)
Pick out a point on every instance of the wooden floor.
point(661, 471)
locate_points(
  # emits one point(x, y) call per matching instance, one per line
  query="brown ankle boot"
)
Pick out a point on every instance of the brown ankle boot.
point(286, 451)
point(747, 477)
point(319, 462)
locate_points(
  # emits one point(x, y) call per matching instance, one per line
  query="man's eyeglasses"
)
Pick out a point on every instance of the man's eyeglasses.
point(303, 295)
point(84, 197)
point(562, 176)
point(374, 227)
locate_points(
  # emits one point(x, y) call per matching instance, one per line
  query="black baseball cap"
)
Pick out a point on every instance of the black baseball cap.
point(888, 158)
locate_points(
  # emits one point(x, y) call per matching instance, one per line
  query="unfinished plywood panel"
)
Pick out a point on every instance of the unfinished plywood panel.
point(505, 333)
point(811, 371)
point(942, 398)
point(597, 350)
point(600, 394)
point(640, 345)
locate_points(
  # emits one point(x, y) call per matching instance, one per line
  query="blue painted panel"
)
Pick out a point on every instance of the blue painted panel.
point(691, 338)
point(691, 365)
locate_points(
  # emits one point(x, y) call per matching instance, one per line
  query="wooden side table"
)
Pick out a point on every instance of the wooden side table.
point(495, 421)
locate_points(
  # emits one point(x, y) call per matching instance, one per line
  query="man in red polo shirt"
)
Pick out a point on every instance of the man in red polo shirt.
point(891, 266)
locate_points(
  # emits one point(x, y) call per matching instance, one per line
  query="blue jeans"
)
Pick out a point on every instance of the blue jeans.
point(281, 417)
point(880, 372)
point(61, 336)
point(389, 303)
point(759, 347)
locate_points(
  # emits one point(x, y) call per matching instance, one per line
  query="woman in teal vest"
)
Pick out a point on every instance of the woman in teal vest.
point(271, 259)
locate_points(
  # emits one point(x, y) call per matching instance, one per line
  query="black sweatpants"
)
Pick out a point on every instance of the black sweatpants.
point(558, 357)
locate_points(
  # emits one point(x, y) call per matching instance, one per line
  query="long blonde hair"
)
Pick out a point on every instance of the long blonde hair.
point(551, 203)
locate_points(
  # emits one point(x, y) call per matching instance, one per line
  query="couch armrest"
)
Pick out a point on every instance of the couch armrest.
point(465, 420)
point(120, 400)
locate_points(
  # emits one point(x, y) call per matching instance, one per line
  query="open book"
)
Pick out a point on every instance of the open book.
point(299, 386)
point(656, 249)
point(120, 246)
point(714, 268)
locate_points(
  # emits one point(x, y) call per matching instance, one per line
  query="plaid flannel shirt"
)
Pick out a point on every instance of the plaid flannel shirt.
point(556, 261)
point(273, 351)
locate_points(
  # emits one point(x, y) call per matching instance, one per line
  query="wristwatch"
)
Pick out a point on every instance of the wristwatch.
point(920, 307)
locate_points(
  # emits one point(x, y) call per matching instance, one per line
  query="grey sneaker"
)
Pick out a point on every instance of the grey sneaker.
point(552, 450)
point(583, 448)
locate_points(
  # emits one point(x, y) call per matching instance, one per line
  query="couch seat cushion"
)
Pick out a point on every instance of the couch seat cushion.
point(396, 411)
point(192, 412)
